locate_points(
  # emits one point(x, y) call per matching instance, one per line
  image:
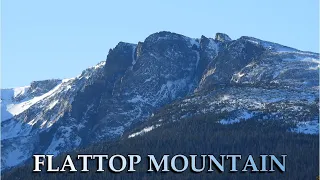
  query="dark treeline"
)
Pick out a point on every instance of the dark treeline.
point(199, 135)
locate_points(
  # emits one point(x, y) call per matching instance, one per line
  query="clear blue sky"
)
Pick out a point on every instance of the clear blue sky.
point(60, 38)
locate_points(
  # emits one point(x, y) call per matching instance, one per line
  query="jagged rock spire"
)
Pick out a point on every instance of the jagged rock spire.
point(222, 37)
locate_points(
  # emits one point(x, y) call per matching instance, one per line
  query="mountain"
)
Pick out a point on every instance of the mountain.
point(153, 84)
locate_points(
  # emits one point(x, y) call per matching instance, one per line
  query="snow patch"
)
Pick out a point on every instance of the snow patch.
point(314, 67)
point(16, 109)
point(225, 97)
point(143, 131)
point(99, 65)
point(244, 116)
point(270, 45)
point(307, 127)
point(43, 124)
point(67, 80)
point(170, 90)
point(133, 51)
point(147, 80)
point(194, 41)
point(20, 91)
point(52, 104)
point(32, 122)
point(209, 73)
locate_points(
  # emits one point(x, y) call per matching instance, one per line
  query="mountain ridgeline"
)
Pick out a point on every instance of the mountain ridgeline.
point(148, 86)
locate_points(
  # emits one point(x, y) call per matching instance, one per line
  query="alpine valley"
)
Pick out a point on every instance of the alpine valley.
point(172, 94)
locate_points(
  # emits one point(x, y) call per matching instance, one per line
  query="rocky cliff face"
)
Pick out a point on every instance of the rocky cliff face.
point(240, 78)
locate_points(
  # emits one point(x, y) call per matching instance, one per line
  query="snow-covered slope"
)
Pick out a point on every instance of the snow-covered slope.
point(234, 79)
point(297, 108)
point(16, 100)
point(25, 121)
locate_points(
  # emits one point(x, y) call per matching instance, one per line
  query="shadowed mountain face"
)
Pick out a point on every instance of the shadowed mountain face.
point(166, 78)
